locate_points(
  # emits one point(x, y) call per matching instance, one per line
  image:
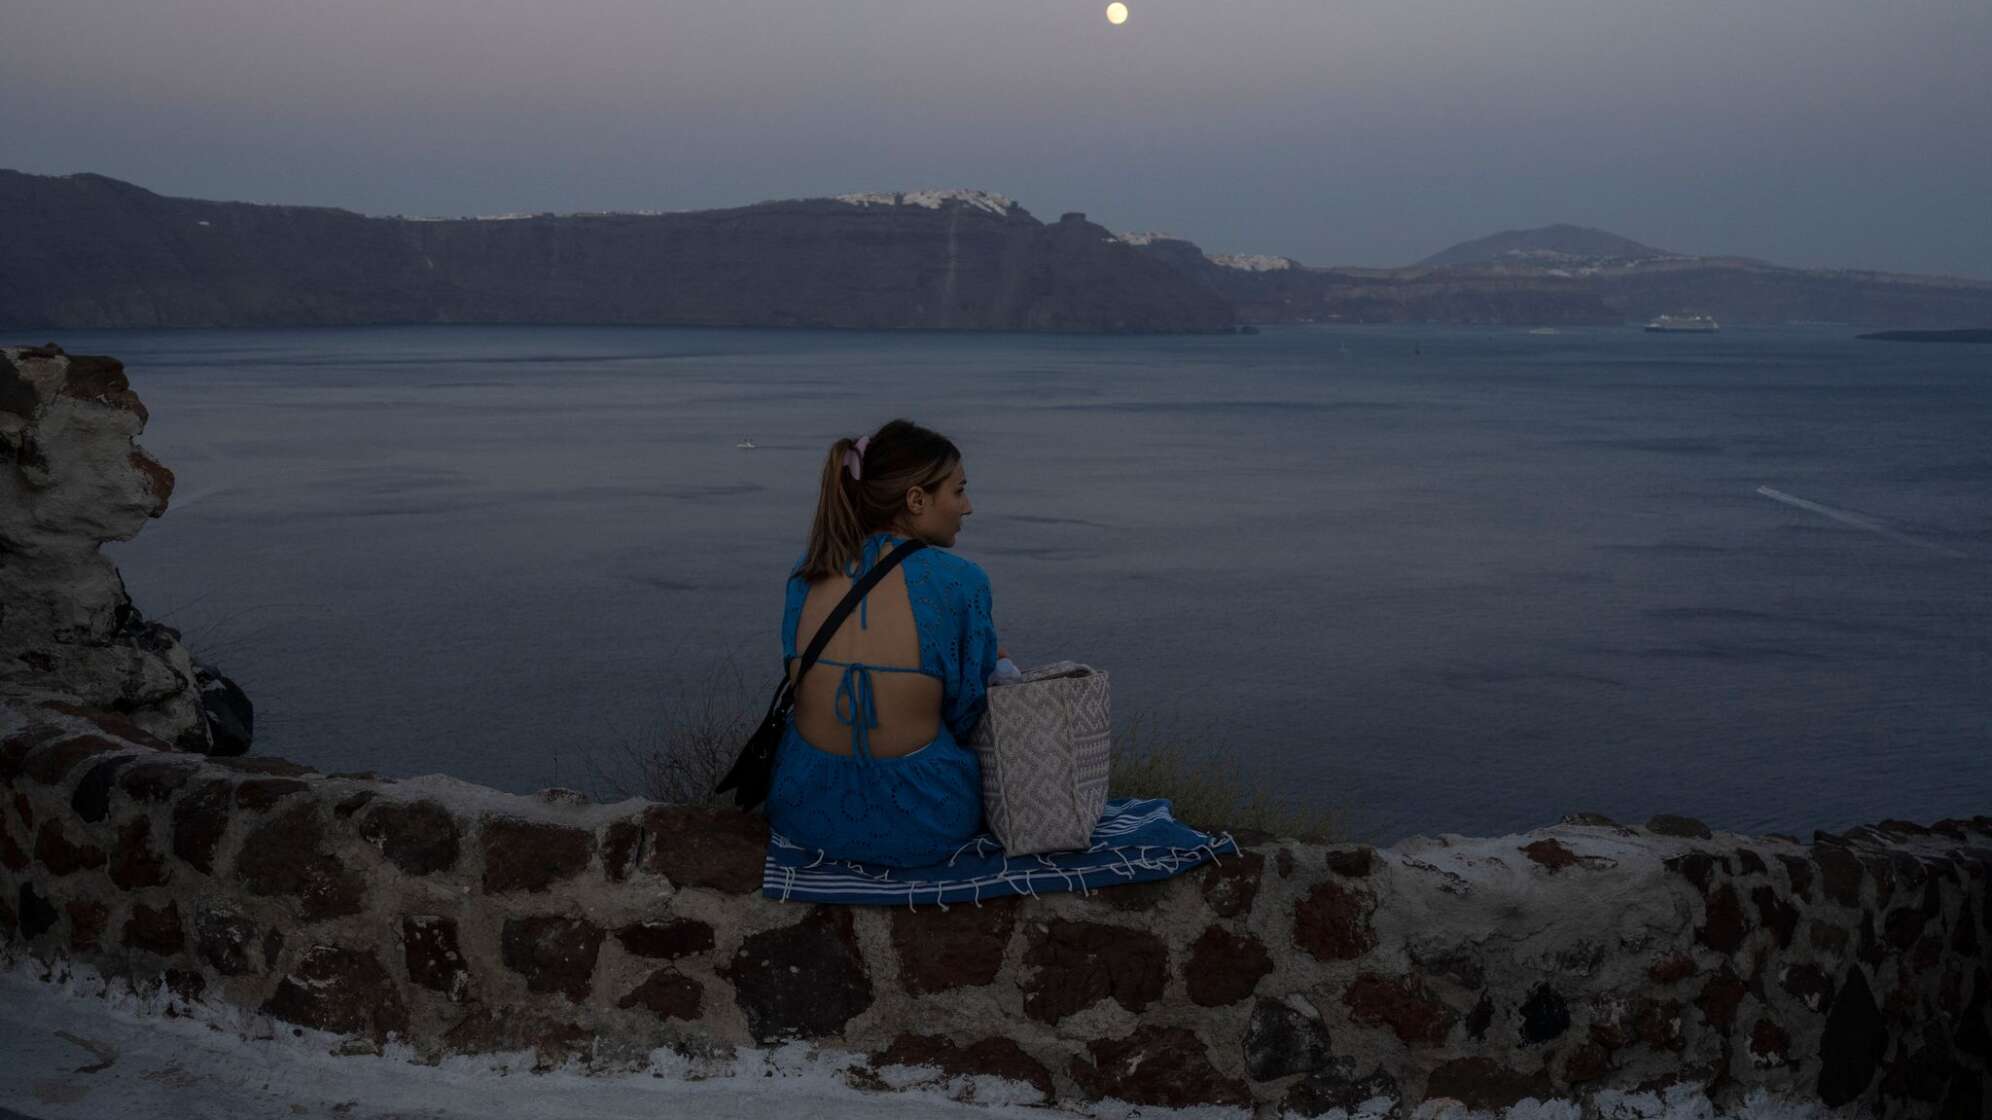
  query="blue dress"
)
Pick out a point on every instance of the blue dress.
point(914, 809)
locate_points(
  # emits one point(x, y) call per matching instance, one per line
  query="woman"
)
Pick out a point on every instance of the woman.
point(875, 765)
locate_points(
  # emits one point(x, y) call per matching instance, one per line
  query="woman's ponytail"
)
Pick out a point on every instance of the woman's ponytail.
point(851, 506)
point(837, 534)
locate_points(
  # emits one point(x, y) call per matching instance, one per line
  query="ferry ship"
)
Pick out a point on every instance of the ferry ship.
point(1683, 324)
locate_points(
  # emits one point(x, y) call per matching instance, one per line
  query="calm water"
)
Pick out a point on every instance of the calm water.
point(1442, 580)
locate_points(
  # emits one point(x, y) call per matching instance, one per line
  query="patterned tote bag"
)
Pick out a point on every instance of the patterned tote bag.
point(1043, 744)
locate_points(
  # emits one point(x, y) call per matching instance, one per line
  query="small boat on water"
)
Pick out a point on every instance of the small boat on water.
point(1545, 330)
point(745, 444)
point(1683, 324)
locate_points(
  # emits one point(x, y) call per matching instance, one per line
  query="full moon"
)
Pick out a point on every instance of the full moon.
point(1116, 12)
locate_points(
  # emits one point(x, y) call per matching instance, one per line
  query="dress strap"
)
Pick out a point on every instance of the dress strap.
point(856, 709)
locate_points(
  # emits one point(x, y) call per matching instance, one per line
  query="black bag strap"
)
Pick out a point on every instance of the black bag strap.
point(843, 609)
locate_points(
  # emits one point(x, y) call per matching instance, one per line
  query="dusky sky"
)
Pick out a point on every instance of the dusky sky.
point(1819, 133)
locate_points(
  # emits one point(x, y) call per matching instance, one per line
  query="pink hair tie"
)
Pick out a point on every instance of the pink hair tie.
point(854, 459)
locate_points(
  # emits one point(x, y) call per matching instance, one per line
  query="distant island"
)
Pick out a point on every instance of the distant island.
point(1981, 334)
point(89, 251)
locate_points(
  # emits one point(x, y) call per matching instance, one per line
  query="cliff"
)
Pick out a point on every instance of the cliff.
point(88, 251)
point(1565, 275)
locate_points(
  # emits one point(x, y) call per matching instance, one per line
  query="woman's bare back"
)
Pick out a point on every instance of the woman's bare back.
point(908, 704)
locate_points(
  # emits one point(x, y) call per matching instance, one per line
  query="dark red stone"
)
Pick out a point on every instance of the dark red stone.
point(553, 952)
point(801, 981)
point(1080, 963)
point(991, 1057)
point(722, 849)
point(287, 857)
point(420, 838)
point(530, 855)
point(622, 846)
point(1810, 984)
point(1726, 926)
point(135, 863)
point(51, 763)
point(1750, 862)
point(1480, 1018)
point(341, 990)
point(1671, 968)
point(1283, 862)
point(1333, 922)
point(199, 821)
point(1352, 863)
point(1720, 997)
point(1162, 1066)
point(1485, 1084)
point(155, 930)
point(86, 923)
point(1550, 854)
point(222, 938)
point(430, 949)
point(552, 1041)
point(154, 780)
point(666, 940)
point(1229, 887)
point(25, 810)
point(1882, 870)
point(1402, 1004)
point(1458, 963)
point(1799, 871)
point(962, 946)
point(1657, 1023)
point(60, 857)
point(1769, 1044)
point(667, 995)
point(1775, 914)
point(115, 725)
point(1839, 874)
point(1224, 967)
point(353, 802)
point(1138, 897)
point(258, 794)
point(1588, 1061)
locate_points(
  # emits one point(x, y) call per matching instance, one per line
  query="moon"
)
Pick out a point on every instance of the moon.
point(1116, 13)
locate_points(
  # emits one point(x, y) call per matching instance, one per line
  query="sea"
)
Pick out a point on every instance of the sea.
point(1426, 580)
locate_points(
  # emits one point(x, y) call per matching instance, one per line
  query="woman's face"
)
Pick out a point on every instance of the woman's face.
point(935, 516)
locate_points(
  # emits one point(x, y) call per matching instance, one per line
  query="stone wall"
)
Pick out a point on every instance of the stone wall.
point(1577, 960)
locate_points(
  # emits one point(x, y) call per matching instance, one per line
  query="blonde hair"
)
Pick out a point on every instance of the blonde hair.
point(898, 456)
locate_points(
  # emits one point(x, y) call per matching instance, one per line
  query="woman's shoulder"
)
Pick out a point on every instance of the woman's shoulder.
point(952, 567)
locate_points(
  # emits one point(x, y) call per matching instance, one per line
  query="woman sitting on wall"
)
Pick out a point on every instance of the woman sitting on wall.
point(875, 765)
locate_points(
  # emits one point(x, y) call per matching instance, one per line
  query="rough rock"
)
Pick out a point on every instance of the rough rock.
point(962, 946)
point(1413, 1014)
point(1156, 1065)
point(1080, 963)
point(1282, 1039)
point(554, 953)
point(288, 856)
point(667, 939)
point(1335, 1087)
point(667, 995)
point(1224, 967)
point(420, 838)
point(343, 990)
point(989, 1057)
point(532, 856)
point(222, 936)
point(1333, 922)
point(433, 956)
point(720, 849)
point(801, 981)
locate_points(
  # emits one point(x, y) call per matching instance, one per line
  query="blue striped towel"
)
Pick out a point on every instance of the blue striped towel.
point(1137, 840)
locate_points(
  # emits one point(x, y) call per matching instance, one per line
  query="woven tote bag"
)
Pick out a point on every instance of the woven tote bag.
point(1043, 743)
